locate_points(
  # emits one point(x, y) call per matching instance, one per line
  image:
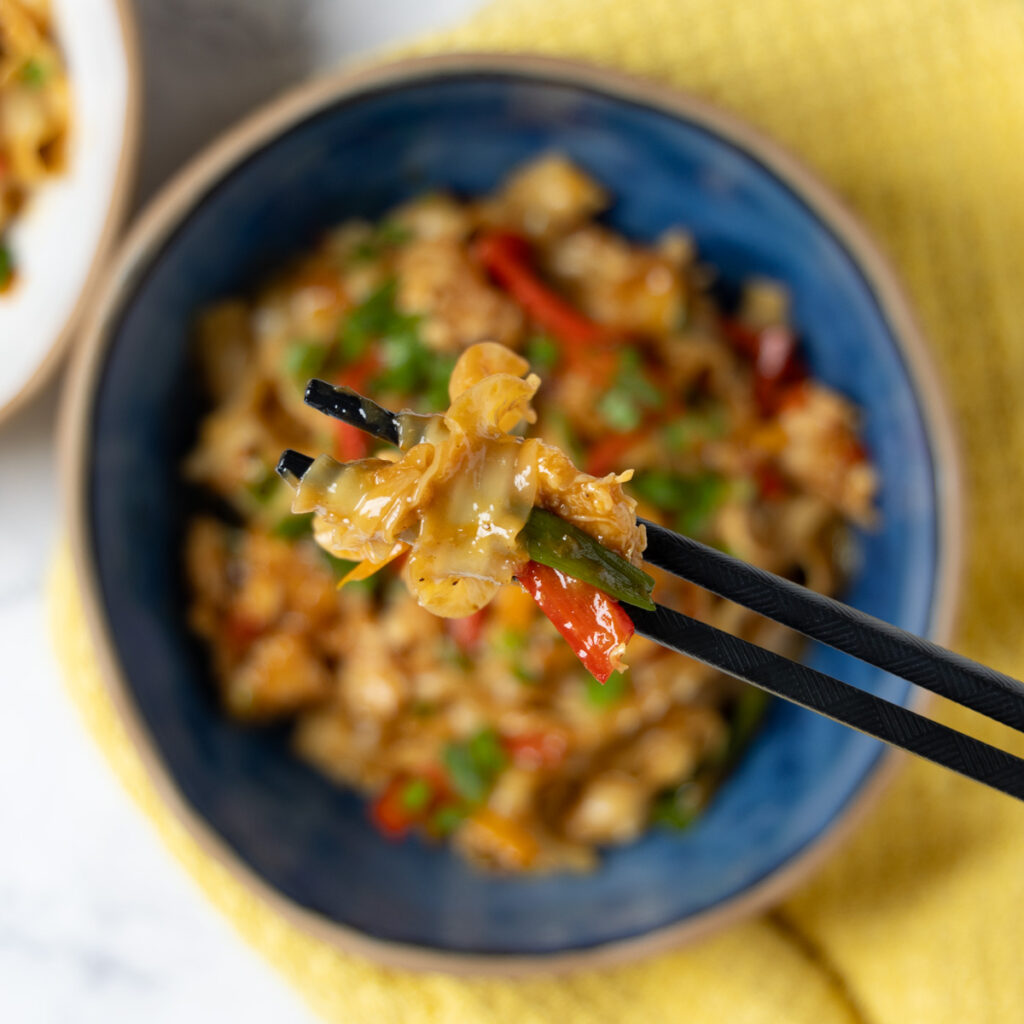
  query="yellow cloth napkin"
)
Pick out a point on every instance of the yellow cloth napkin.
point(914, 111)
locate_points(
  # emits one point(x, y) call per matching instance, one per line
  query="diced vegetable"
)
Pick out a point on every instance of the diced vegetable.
point(383, 353)
point(438, 371)
point(778, 366)
point(631, 397)
point(389, 234)
point(350, 443)
point(374, 318)
point(544, 749)
point(474, 764)
point(486, 751)
point(6, 266)
point(542, 353)
point(606, 455)
point(409, 801)
point(446, 820)
point(292, 527)
point(691, 500)
point(693, 428)
point(466, 632)
point(552, 541)
point(747, 715)
point(389, 812)
point(679, 807)
point(506, 256)
point(34, 72)
point(610, 693)
point(262, 485)
point(511, 641)
point(416, 794)
point(240, 632)
point(771, 484)
point(524, 674)
point(304, 359)
point(595, 626)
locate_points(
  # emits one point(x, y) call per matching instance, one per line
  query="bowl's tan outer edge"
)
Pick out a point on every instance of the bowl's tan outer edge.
point(124, 181)
point(160, 218)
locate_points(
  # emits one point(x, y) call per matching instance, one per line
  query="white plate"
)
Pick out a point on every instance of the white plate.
point(61, 237)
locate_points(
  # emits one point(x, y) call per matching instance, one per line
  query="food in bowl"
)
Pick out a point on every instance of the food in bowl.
point(486, 729)
point(34, 111)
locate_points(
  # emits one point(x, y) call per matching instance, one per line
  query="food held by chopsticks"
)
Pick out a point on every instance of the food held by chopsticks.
point(456, 505)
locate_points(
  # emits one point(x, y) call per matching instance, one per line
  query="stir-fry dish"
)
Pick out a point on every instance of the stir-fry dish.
point(566, 380)
point(34, 111)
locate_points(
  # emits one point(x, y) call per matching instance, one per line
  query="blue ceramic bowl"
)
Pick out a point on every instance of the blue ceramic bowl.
point(357, 145)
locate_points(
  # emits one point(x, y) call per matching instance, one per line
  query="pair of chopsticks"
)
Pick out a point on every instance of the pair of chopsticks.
point(820, 618)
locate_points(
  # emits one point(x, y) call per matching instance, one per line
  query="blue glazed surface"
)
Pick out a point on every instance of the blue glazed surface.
point(311, 840)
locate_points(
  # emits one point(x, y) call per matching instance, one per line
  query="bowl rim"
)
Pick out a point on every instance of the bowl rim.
point(117, 211)
point(164, 213)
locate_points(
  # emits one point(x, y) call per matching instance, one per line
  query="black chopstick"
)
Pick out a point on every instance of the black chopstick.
point(351, 407)
point(822, 618)
point(833, 698)
point(846, 629)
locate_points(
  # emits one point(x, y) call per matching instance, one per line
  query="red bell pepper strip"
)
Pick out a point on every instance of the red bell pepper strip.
point(466, 632)
point(594, 624)
point(544, 749)
point(351, 443)
point(605, 456)
point(395, 814)
point(771, 484)
point(389, 813)
point(778, 367)
point(506, 257)
point(240, 632)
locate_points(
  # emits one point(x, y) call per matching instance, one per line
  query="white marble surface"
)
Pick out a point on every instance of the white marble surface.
point(97, 923)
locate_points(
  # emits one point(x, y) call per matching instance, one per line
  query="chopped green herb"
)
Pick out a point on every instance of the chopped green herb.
point(525, 675)
point(292, 527)
point(692, 499)
point(619, 411)
point(466, 778)
point(454, 655)
point(262, 485)
point(6, 266)
point(747, 715)
point(473, 765)
point(375, 318)
point(439, 371)
point(542, 352)
point(446, 820)
point(34, 72)
point(565, 437)
point(487, 752)
point(389, 234)
point(415, 795)
point(511, 641)
point(609, 694)
point(304, 359)
point(678, 808)
point(631, 397)
point(685, 433)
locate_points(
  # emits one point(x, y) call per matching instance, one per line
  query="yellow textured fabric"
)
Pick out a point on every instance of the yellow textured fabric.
point(914, 111)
